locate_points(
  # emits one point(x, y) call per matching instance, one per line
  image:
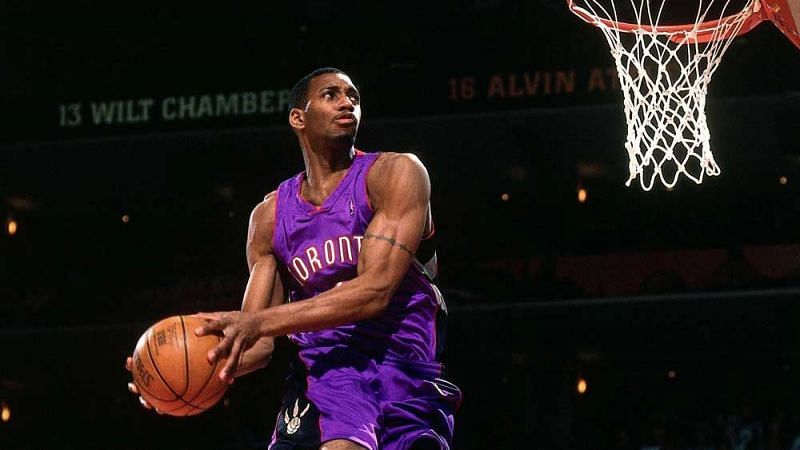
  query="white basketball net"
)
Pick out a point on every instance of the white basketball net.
point(664, 75)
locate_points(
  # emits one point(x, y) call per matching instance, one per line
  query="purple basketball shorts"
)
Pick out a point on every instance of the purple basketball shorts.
point(381, 405)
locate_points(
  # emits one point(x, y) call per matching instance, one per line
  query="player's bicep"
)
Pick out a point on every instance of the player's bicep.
point(393, 235)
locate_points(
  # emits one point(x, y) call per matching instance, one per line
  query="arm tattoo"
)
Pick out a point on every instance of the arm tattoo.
point(391, 241)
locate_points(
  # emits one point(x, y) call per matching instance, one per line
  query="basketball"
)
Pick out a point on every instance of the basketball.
point(170, 368)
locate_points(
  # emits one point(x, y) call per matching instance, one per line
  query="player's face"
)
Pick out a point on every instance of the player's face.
point(334, 107)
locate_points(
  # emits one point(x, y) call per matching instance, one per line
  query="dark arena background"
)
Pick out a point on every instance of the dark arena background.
point(584, 314)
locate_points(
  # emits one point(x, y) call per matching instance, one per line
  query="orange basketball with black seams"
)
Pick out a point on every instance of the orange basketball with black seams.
point(170, 368)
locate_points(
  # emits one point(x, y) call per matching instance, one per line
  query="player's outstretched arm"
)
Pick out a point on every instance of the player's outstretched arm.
point(400, 192)
point(264, 287)
point(260, 354)
point(263, 272)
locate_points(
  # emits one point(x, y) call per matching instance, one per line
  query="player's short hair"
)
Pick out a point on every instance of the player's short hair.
point(299, 94)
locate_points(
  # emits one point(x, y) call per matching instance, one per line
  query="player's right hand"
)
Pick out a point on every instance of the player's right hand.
point(132, 386)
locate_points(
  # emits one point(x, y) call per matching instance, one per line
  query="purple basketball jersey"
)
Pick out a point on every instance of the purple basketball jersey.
point(319, 246)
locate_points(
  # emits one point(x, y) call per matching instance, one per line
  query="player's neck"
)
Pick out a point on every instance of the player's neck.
point(325, 167)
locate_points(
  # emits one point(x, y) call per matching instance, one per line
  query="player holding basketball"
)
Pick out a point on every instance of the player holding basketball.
point(349, 239)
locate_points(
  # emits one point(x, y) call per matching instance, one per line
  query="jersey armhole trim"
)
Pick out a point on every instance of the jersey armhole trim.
point(366, 182)
point(275, 227)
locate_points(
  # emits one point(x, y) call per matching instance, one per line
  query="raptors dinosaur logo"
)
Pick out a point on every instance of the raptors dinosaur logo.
point(293, 421)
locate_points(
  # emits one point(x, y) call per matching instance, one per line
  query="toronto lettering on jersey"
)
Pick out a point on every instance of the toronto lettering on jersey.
point(344, 249)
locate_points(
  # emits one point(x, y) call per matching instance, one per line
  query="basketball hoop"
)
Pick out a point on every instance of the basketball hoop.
point(664, 72)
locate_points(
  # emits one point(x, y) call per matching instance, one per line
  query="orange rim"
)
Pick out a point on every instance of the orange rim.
point(702, 32)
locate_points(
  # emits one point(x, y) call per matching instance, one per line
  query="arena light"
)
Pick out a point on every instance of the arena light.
point(11, 227)
point(5, 412)
point(582, 386)
point(582, 195)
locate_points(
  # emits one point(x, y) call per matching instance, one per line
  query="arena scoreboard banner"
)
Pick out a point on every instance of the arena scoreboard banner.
point(390, 93)
point(156, 111)
point(535, 85)
point(394, 93)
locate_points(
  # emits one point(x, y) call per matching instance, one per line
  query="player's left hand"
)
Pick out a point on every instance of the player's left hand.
point(135, 389)
point(240, 331)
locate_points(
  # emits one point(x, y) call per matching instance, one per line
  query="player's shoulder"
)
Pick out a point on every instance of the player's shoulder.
point(264, 211)
point(398, 159)
point(396, 174)
point(390, 164)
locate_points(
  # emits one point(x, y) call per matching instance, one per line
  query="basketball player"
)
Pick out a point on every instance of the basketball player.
point(349, 238)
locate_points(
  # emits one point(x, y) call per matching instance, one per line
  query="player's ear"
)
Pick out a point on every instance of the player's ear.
point(297, 118)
